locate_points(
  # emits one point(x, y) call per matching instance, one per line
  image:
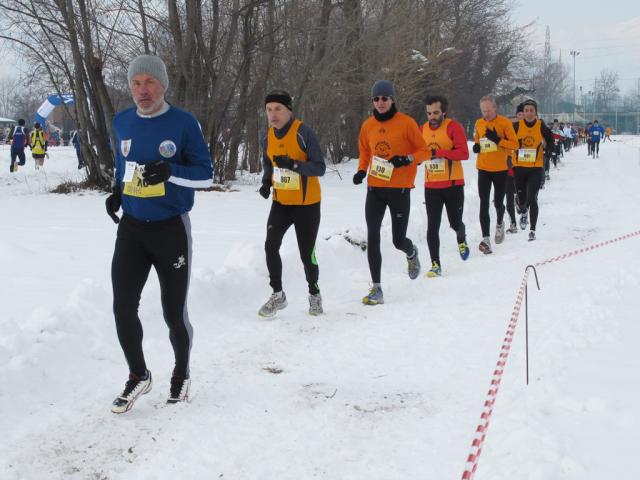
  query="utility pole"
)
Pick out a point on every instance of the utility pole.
point(574, 54)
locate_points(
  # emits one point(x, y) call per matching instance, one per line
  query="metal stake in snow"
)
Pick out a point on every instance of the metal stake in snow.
point(526, 317)
point(483, 426)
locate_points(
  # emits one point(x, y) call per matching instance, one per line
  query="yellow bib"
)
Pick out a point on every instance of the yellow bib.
point(381, 169)
point(487, 146)
point(284, 179)
point(137, 187)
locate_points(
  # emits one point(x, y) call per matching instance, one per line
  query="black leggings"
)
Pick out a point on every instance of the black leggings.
point(15, 155)
point(436, 199)
point(485, 179)
point(596, 148)
point(399, 202)
point(528, 181)
point(510, 192)
point(165, 245)
point(306, 221)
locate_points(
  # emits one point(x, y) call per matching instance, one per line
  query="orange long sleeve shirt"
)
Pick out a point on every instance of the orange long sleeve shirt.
point(399, 135)
point(496, 161)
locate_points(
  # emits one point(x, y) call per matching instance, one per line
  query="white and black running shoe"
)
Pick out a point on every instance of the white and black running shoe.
point(179, 391)
point(135, 387)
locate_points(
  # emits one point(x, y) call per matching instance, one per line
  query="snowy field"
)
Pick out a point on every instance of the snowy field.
point(392, 392)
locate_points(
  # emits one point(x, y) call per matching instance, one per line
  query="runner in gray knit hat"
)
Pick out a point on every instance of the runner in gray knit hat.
point(151, 65)
point(383, 88)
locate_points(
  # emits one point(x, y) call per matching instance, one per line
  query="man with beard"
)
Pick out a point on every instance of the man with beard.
point(444, 178)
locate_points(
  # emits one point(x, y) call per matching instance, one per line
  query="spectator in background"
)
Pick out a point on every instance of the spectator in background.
point(75, 141)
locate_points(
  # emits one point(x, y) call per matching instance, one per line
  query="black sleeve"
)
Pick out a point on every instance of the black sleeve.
point(315, 166)
point(547, 135)
point(267, 166)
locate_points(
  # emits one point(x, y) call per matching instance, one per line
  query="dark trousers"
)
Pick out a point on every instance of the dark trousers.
point(557, 151)
point(17, 154)
point(528, 182)
point(165, 245)
point(595, 149)
point(485, 180)
point(399, 202)
point(436, 199)
point(80, 157)
point(510, 193)
point(306, 221)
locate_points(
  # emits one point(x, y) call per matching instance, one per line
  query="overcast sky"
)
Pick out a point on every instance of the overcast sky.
point(606, 33)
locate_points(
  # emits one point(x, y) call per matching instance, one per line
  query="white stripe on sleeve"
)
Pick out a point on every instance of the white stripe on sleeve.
point(184, 182)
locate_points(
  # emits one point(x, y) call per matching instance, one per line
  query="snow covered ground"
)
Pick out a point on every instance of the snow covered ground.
point(387, 392)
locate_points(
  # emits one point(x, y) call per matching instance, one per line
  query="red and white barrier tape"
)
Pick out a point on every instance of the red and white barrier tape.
point(588, 249)
point(481, 430)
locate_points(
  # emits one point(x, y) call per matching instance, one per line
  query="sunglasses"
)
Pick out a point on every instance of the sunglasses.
point(378, 99)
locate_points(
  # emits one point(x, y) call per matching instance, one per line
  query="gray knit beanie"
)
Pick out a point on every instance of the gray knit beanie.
point(383, 88)
point(151, 65)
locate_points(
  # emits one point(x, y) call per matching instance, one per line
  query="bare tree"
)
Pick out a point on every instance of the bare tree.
point(222, 56)
point(607, 91)
point(10, 88)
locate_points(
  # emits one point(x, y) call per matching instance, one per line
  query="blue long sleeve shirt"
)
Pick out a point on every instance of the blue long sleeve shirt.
point(596, 132)
point(174, 136)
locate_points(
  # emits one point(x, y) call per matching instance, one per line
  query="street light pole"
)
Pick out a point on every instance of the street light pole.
point(574, 54)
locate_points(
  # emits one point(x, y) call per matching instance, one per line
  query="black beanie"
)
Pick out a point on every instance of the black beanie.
point(279, 96)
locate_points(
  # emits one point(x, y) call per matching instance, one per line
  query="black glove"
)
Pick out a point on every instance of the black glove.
point(476, 148)
point(400, 161)
point(359, 176)
point(492, 135)
point(113, 203)
point(265, 190)
point(283, 161)
point(509, 162)
point(433, 153)
point(156, 172)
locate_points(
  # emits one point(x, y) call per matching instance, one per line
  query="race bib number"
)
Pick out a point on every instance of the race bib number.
point(284, 179)
point(435, 165)
point(596, 133)
point(527, 155)
point(487, 146)
point(137, 187)
point(381, 169)
point(130, 168)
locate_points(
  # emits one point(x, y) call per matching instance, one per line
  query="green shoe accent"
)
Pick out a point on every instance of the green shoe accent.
point(435, 271)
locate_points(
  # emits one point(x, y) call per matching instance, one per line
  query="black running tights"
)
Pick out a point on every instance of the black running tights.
point(485, 180)
point(436, 199)
point(528, 181)
point(306, 221)
point(399, 202)
point(165, 245)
